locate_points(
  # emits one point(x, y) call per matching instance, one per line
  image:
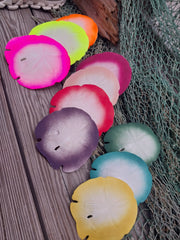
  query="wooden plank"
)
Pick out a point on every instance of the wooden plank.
point(28, 108)
point(18, 216)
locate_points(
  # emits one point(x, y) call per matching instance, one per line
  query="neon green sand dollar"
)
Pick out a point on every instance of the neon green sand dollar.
point(103, 208)
point(73, 38)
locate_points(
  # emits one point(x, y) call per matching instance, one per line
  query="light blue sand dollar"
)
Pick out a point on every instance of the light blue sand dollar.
point(136, 138)
point(125, 166)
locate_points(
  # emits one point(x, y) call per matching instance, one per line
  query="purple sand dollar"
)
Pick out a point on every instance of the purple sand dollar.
point(67, 138)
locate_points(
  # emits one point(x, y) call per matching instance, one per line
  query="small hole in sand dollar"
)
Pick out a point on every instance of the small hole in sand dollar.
point(122, 149)
point(53, 106)
point(74, 201)
point(17, 78)
point(23, 59)
point(89, 216)
point(56, 148)
point(39, 139)
point(93, 169)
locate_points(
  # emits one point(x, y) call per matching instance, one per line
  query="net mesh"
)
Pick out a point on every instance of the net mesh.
point(150, 41)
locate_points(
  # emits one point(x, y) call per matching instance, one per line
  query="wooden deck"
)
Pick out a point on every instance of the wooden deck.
point(35, 199)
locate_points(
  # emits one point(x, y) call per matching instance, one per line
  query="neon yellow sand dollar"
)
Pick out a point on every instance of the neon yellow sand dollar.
point(73, 38)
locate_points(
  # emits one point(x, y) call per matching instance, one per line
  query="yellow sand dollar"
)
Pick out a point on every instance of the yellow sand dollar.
point(103, 208)
point(73, 38)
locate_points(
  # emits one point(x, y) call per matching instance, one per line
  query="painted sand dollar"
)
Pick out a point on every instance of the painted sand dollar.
point(135, 138)
point(90, 99)
point(114, 62)
point(67, 138)
point(103, 208)
point(87, 23)
point(70, 35)
point(99, 76)
point(127, 167)
point(37, 61)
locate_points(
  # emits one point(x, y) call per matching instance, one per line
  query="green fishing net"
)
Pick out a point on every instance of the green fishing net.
point(150, 39)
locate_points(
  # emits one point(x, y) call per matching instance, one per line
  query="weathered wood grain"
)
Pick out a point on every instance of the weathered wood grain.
point(28, 108)
point(18, 216)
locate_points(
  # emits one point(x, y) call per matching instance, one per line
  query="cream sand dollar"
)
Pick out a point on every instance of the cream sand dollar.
point(99, 76)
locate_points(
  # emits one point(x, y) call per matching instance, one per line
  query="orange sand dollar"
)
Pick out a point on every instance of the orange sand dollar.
point(87, 23)
point(103, 208)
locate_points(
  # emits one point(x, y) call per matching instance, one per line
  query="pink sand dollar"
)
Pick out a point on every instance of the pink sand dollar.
point(90, 99)
point(37, 61)
point(114, 62)
point(99, 76)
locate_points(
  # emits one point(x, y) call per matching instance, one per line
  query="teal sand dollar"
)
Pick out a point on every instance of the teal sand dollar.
point(136, 138)
point(127, 167)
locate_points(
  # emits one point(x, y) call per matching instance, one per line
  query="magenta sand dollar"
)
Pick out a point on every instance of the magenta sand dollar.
point(67, 138)
point(37, 61)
